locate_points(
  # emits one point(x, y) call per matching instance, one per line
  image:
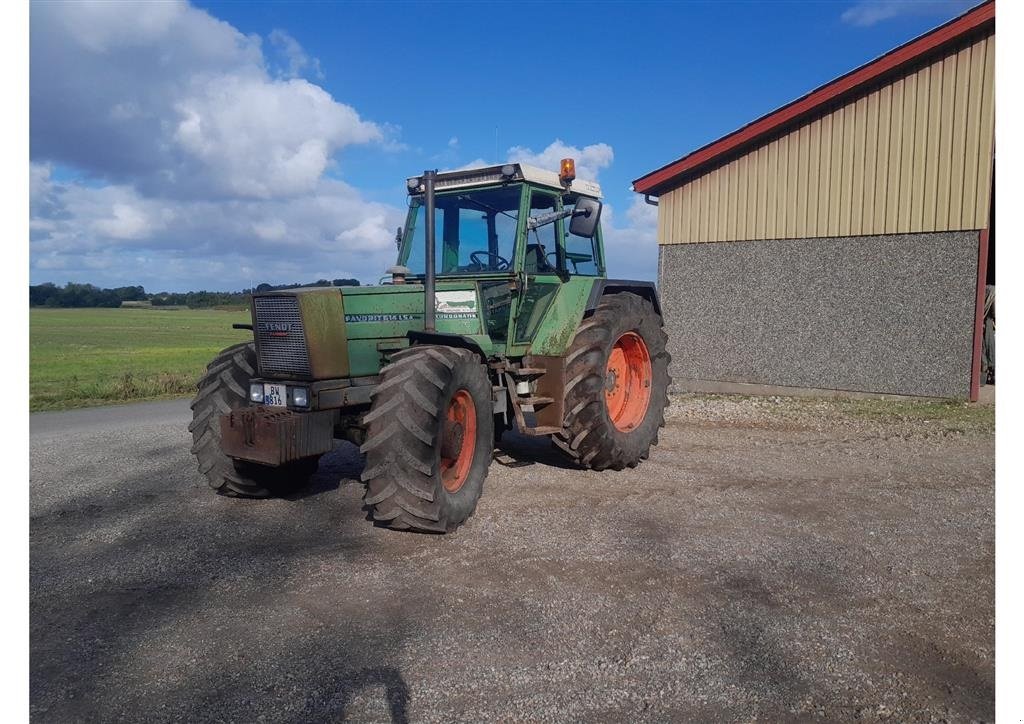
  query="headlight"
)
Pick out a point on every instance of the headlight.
point(300, 397)
point(256, 392)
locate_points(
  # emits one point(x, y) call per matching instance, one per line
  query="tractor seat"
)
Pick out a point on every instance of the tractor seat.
point(536, 260)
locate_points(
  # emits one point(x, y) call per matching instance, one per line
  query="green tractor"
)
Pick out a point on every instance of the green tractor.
point(509, 322)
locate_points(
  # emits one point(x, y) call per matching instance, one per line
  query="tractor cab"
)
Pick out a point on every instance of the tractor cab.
point(520, 233)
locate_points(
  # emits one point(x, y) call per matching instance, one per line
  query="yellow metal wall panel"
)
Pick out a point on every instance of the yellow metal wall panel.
point(957, 162)
point(870, 163)
point(987, 131)
point(793, 186)
point(782, 186)
point(729, 201)
point(801, 146)
point(714, 180)
point(892, 183)
point(858, 129)
point(751, 212)
point(693, 212)
point(920, 150)
point(703, 201)
point(771, 187)
point(835, 181)
point(882, 157)
point(913, 155)
point(972, 139)
point(760, 193)
point(668, 222)
point(734, 192)
point(945, 142)
point(931, 179)
point(723, 212)
point(742, 210)
point(907, 152)
point(813, 177)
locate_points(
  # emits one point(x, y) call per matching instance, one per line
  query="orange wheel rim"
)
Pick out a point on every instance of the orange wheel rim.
point(628, 382)
point(458, 441)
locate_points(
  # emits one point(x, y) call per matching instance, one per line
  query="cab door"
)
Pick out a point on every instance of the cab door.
point(538, 257)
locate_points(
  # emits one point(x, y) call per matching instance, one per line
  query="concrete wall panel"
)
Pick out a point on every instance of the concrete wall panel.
point(887, 314)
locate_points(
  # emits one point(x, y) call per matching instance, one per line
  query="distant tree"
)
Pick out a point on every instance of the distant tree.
point(41, 294)
point(346, 282)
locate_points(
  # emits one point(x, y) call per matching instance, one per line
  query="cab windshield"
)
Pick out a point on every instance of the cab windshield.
point(475, 231)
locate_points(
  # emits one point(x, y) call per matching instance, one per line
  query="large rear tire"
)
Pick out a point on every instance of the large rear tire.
point(616, 389)
point(222, 389)
point(429, 441)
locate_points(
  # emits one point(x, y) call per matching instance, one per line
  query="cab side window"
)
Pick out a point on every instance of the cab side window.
point(580, 254)
point(541, 243)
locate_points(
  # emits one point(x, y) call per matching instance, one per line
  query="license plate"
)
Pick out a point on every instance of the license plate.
point(275, 395)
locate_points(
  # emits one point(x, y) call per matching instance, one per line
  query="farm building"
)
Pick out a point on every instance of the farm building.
point(845, 240)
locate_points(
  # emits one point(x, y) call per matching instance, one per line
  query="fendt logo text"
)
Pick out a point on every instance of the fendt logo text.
point(276, 329)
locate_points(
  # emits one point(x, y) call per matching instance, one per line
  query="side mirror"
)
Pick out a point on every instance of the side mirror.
point(585, 217)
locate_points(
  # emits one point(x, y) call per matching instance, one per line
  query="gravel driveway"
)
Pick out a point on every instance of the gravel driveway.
point(774, 560)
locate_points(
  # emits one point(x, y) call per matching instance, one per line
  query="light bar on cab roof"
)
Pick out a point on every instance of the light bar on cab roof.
point(509, 172)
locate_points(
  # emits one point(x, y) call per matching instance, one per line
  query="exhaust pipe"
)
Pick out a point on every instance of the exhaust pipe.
point(428, 272)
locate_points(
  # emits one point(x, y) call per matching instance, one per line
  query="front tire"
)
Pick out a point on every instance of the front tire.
point(222, 389)
point(430, 436)
point(617, 385)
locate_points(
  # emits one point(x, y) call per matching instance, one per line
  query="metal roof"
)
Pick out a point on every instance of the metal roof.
point(524, 172)
point(695, 163)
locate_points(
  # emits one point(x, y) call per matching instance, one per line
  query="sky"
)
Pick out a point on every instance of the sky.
point(215, 145)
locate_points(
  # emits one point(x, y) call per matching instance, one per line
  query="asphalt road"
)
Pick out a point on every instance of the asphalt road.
point(753, 569)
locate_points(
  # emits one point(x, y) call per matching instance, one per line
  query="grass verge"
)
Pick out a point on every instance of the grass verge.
point(84, 357)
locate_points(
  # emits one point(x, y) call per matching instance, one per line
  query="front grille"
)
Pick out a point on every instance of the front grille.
point(280, 338)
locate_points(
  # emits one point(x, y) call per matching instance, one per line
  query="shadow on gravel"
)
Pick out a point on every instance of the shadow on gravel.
point(344, 462)
point(155, 600)
point(396, 692)
point(526, 449)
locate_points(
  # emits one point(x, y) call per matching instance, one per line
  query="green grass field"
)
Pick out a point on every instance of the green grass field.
point(82, 357)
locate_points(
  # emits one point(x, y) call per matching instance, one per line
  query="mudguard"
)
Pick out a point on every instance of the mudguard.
point(647, 290)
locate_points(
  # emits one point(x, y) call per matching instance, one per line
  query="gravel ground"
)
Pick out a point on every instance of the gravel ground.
point(775, 559)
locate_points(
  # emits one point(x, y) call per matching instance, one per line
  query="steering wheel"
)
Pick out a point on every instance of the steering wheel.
point(501, 265)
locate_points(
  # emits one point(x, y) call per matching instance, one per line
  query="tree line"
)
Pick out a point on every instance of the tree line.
point(89, 295)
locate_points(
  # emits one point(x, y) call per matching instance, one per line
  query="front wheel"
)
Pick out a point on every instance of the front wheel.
point(222, 389)
point(429, 440)
point(617, 384)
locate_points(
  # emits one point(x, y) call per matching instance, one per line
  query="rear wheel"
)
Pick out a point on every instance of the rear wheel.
point(617, 384)
point(222, 389)
point(430, 435)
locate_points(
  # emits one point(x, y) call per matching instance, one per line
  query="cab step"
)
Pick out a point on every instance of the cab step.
point(528, 371)
point(535, 401)
point(536, 431)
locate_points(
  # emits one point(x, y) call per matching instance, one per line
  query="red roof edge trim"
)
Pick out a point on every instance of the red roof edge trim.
point(855, 79)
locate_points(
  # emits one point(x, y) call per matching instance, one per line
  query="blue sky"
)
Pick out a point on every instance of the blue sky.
point(209, 145)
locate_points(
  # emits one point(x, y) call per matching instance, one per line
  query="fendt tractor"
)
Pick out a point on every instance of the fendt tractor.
point(509, 322)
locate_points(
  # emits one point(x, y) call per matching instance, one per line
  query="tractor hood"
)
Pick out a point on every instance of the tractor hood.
point(335, 332)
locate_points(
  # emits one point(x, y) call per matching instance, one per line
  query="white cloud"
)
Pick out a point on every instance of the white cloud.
point(294, 54)
point(192, 153)
point(262, 139)
point(178, 103)
point(453, 142)
point(870, 12)
point(186, 243)
point(589, 159)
